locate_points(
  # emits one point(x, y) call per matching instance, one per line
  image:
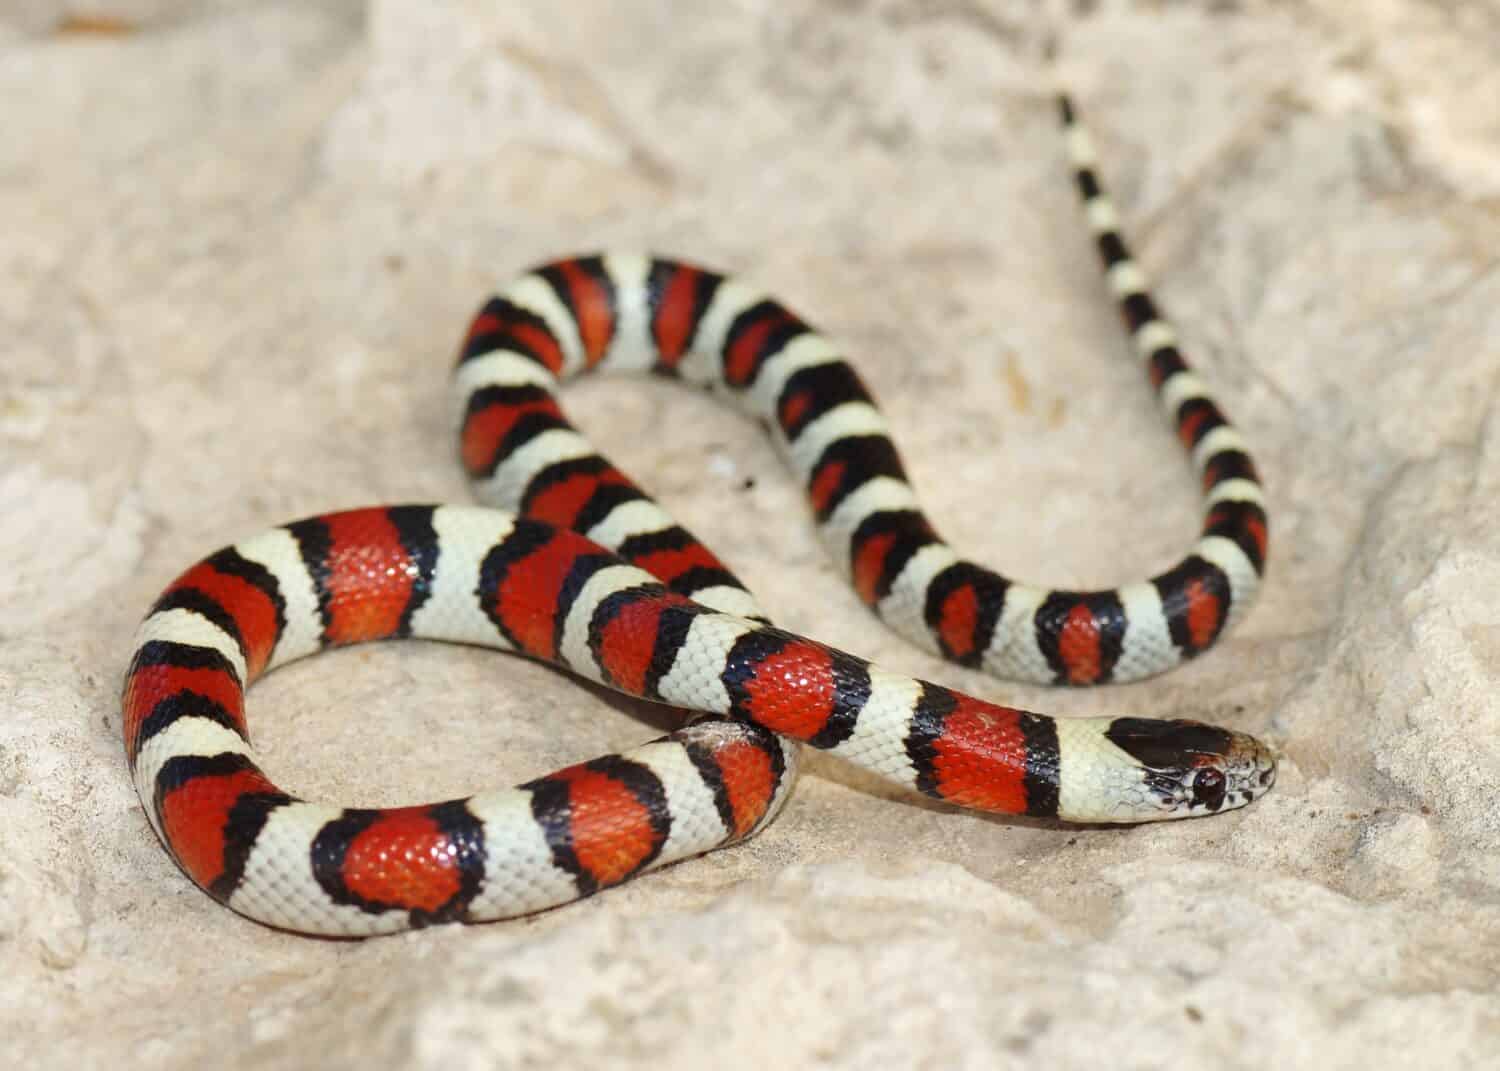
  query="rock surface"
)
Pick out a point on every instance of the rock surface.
point(241, 243)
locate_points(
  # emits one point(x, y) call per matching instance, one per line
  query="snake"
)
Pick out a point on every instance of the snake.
point(569, 562)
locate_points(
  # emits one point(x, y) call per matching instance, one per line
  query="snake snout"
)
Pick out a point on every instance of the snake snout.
point(1254, 765)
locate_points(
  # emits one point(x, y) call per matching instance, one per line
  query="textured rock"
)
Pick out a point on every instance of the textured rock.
point(241, 245)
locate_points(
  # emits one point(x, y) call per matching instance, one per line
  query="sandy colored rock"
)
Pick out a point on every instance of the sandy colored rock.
point(241, 244)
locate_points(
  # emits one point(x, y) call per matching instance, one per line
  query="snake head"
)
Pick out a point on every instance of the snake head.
point(1188, 769)
point(1154, 770)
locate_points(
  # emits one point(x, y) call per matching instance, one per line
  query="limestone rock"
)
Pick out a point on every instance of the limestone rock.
point(242, 242)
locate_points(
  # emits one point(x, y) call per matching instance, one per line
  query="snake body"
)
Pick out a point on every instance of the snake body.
point(579, 567)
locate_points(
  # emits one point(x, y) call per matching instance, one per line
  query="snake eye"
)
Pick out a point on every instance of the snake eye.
point(1208, 788)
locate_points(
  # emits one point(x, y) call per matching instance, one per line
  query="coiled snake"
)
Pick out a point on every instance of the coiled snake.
point(591, 574)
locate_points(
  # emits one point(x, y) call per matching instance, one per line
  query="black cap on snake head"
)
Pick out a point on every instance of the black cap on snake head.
point(1190, 768)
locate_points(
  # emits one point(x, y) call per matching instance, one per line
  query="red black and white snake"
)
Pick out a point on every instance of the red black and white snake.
point(589, 573)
